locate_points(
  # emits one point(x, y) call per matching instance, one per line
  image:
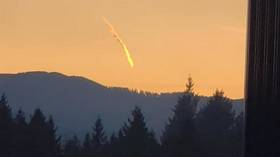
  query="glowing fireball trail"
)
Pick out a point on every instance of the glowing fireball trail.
point(119, 39)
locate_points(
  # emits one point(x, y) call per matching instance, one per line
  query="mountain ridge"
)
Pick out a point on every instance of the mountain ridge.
point(75, 101)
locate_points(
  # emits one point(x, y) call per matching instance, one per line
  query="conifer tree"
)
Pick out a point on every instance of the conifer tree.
point(138, 140)
point(21, 138)
point(38, 131)
point(113, 138)
point(72, 147)
point(99, 138)
point(87, 146)
point(179, 136)
point(53, 140)
point(113, 146)
point(6, 128)
point(44, 142)
point(215, 121)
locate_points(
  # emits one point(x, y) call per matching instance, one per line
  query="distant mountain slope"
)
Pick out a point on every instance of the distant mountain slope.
point(75, 102)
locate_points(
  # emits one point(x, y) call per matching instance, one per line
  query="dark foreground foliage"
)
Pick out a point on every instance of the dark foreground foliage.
point(212, 131)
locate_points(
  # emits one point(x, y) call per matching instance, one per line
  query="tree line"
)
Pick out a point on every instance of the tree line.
point(213, 130)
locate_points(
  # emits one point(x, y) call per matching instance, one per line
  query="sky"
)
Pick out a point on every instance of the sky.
point(168, 41)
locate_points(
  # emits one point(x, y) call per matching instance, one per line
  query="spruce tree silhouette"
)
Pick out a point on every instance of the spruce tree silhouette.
point(53, 140)
point(179, 136)
point(72, 147)
point(99, 138)
point(138, 140)
point(44, 141)
point(87, 146)
point(21, 138)
point(6, 128)
point(38, 131)
point(214, 123)
point(113, 139)
point(113, 146)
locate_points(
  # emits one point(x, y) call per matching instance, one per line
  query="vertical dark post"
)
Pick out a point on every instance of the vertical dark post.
point(263, 80)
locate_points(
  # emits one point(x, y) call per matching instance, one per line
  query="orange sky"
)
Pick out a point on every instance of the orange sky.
point(168, 40)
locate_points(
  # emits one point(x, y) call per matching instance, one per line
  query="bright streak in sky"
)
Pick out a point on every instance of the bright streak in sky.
point(119, 39)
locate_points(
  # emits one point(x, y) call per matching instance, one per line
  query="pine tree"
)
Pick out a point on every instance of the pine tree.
point(113, 138)
point(87, 146)
point(215, 121)
point(20, 118)
point(44, 142)
point(72, 147)
point(179, 136)
point(120, 134)
point(117, 145)
point(6, 128)
point(38, 131)
point(53, 140)
point(21, 138)
point(113, 142)
point(99, 138)
point(138, 140)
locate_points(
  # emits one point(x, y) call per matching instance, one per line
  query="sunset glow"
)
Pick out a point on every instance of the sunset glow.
point(168, 40)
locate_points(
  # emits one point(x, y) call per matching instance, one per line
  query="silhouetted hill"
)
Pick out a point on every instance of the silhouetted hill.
point(75, 102)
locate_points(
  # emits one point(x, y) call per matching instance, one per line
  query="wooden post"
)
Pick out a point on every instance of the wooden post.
point(262, 137)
